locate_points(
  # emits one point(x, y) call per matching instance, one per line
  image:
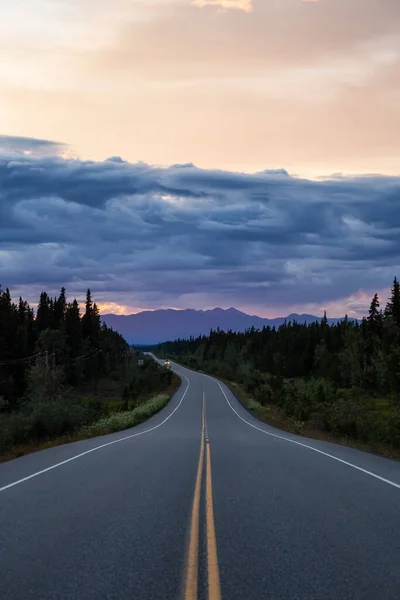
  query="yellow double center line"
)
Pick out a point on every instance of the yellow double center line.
point(192, 573)
point(214, 589)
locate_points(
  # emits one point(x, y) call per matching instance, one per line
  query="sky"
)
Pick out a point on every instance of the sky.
point(254, 144)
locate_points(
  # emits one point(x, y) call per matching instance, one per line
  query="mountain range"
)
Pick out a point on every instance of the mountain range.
point(152, 327)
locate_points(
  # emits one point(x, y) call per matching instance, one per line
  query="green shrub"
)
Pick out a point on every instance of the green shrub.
point(352, 417)
point(263, 394)
point(41, 420)
point(126, 419)
point(300, 399)
point(46, 420)
point(12, 430)
point(388, 428)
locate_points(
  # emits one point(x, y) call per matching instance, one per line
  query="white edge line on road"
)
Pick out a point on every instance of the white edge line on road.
point(127, 437)
point(282, 437)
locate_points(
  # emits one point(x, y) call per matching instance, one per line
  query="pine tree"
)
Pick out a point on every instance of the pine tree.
point(73, 329)
point(374, 318)
point(8, 326)
point(22, 311)
point(60, 306)
point(95, 325)
point(87, 319)
point(393, 306)
point(43, 315)
point(89, 303)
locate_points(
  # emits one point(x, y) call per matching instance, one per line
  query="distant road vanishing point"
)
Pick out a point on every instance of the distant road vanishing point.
point(200, 502)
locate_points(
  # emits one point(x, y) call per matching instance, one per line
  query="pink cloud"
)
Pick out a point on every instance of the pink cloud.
point(356, 305)
point(245, 5)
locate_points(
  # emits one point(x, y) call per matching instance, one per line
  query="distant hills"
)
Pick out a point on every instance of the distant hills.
point(152, 327)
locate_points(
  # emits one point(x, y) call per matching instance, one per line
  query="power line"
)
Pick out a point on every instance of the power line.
point(46, 356)
point(91, 354)
point(21, 360)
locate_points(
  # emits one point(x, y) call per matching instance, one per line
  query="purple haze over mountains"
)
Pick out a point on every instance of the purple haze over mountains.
point(153, 327)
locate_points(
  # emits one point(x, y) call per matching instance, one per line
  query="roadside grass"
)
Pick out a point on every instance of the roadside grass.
point(116, 420)
point(274, 415)
point(383, 405)
point(125, 419)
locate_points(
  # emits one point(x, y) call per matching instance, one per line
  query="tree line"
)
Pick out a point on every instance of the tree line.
point(57, 336)
point(343, 377)
point(64, 373)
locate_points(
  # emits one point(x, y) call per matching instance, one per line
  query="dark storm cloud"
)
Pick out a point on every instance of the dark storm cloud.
point(143, 235)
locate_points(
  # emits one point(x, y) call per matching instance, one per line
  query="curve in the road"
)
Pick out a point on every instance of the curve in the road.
point(268, 520)
point(81, 454)
point(286, 439)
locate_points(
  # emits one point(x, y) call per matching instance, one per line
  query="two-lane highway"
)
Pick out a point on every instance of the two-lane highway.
point(201, 501)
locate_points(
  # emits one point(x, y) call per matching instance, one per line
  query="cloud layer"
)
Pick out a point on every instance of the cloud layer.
point(245, 5)
point(311, 85)
point(144, 236)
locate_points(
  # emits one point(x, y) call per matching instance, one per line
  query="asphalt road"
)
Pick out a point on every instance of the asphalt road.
point(201, 501)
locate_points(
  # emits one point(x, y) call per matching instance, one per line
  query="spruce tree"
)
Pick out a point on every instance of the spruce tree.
point(393, 306)
point(43, 316)
point(73, 329)
point(374, 318)
point(87, 319)
point(60, 306)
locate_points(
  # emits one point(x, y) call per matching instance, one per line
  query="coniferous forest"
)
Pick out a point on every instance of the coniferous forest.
point(342, 379)
point(61, 369)
point(59, 336)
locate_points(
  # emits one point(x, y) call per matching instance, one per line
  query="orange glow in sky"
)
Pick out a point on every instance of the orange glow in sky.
point(246, 85)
